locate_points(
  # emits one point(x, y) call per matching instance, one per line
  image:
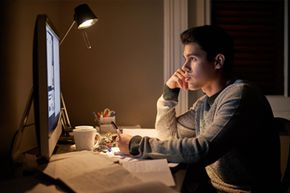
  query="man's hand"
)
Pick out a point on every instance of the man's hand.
point(123, 143)
point(177, 80)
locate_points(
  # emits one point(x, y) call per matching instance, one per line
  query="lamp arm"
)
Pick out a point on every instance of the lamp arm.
point(67, 32)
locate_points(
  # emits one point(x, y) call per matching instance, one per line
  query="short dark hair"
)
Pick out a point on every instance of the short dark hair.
point(213, 40)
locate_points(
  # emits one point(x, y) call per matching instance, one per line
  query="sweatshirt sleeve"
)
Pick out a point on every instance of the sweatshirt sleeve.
point(170, 94)
point(167, 124)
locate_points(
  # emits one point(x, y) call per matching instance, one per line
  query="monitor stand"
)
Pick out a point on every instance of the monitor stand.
point(19, 135)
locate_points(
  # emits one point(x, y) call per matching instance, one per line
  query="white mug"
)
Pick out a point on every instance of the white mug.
point(84, 137)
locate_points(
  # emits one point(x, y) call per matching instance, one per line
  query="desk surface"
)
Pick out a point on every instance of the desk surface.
point(34, 184)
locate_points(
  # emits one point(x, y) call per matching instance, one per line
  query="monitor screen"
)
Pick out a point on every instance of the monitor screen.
point(53, 84)
point(46, 86)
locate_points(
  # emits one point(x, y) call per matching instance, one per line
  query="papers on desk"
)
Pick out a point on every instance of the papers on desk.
point(86, 171)
point(70, 165)
point(151, 170)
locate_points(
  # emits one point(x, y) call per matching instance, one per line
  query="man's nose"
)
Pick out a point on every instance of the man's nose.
point(185, 67)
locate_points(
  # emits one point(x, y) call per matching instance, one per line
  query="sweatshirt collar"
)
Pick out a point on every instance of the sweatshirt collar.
point(212, 98)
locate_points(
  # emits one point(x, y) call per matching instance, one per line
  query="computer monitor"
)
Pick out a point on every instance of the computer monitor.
point(46, 86)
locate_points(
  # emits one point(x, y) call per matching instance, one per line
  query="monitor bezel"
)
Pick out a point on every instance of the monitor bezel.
point(46, 141)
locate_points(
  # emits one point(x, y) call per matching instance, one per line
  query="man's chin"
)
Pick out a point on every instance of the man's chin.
point(193, 87)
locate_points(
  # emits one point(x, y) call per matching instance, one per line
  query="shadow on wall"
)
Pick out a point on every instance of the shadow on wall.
point(8, 123)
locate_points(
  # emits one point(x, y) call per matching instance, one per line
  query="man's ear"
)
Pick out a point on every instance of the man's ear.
point(219, 61)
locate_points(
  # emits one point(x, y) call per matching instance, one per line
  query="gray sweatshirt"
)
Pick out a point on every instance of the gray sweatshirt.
point(230, 133)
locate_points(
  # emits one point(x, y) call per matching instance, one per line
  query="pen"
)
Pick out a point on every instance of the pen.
point(116, 127)
point(95, 116)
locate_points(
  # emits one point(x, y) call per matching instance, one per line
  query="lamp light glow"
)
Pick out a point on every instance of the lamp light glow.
point(87, 23)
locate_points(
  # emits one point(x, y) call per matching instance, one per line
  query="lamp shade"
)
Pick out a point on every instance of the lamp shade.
point(84, 17)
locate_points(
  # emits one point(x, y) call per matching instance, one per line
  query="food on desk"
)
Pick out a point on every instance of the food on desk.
point(106, 142)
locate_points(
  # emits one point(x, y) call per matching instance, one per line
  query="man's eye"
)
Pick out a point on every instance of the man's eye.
point(193, 59)
point(190, 59)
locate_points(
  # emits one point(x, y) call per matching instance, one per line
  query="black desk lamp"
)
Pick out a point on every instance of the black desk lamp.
point(85, 18)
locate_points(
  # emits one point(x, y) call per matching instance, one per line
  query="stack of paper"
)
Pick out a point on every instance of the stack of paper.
point(86, 171)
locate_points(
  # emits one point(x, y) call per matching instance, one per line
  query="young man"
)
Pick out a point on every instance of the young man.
point(229, 130)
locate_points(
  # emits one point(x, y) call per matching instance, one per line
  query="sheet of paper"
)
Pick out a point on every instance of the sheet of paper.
point(64, 166)
point(102, 180)
point(151, 170)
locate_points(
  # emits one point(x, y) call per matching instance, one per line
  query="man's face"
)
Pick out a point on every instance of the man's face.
point(199, 72)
